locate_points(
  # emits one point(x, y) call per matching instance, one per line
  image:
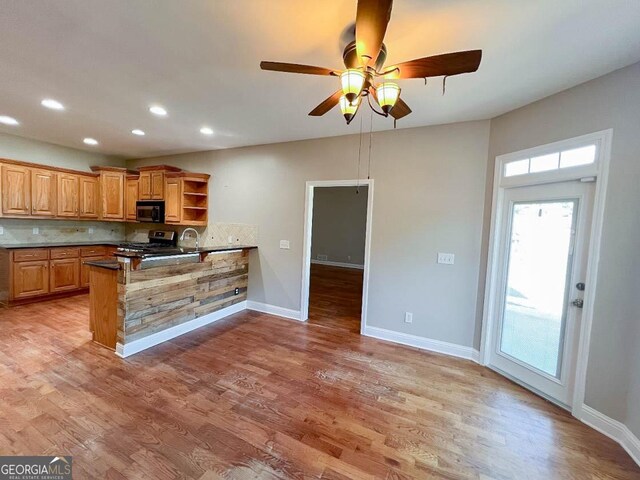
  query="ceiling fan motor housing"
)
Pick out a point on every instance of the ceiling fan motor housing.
point(351, 60)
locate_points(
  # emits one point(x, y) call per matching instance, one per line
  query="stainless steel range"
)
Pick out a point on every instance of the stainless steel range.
point(160, 242)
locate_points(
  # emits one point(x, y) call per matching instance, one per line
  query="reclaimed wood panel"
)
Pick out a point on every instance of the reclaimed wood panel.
point(155, 299)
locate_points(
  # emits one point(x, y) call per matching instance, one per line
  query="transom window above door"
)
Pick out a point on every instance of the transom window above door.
point(574, 157)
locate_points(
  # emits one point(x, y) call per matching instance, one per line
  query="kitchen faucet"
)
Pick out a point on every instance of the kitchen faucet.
point(194, 231)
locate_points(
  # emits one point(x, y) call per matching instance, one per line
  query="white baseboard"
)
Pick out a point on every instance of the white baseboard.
point(338, 264)
point(429, 344)
point(136, 346)
point(613, 429)
point(274, 310)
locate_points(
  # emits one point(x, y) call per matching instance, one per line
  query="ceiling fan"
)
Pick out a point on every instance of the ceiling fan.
point(365, 74)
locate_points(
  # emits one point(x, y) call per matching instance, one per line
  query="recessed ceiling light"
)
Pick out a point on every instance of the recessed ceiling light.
point(158, 110)
point(52, 104)
point(138, 132)
point(206, 131)
point(90, 141)
point(8, 120)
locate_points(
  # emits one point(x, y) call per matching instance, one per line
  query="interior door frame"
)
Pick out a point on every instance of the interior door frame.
point(600, 171)
point(306, 249)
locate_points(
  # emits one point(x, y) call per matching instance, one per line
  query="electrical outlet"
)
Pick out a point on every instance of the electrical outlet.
point(408, 317)
point(236, 291)
point(230, 239)
point(284, 244)
point(446, 258)
point(91, 230)
point(323, 258)
point(36, 231)
point(348, 257)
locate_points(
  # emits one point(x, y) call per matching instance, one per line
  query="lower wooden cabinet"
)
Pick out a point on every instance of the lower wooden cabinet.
point(64, 274)
point(31, 273)
point(30, 279)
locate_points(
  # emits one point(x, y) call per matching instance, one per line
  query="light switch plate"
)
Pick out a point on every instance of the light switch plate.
point(230, 239)
point(91, 230)
point(36, 231)
point(446, 258)
point(408, 317)
point(284, 244)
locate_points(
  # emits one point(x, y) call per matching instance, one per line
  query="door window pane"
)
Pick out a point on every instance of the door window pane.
point(544, 163)
point(519, 167)
point(578, 156)
point(535, 301)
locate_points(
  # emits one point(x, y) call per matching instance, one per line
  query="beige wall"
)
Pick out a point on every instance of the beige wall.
point(20, 231)
point(26, 150)
point(339, 224)
point(612, 101)
point(428, 197)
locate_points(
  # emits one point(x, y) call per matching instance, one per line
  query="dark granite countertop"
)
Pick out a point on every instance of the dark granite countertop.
point(15, 246)
point(185, 251)
point(108, 264)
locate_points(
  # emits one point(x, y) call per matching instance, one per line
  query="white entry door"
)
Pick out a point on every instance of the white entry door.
point(543, 249)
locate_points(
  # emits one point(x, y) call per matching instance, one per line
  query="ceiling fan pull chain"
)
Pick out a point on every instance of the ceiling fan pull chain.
point(444, 85)
point(425, 81)
point(395, 123)
point(359, 151)
point(370, 140)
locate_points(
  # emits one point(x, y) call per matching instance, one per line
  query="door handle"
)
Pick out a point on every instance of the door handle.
point(578, 302)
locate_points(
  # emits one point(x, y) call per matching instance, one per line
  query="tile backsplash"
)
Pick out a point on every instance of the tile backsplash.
point(214, 235)
point(17, 231)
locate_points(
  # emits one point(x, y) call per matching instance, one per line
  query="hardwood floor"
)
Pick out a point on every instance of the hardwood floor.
point(335, 297)
point(255, 396)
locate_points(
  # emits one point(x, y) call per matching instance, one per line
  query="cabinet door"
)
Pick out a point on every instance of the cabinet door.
point(68, 186)
point(89, 197)
point(112, 186)
point(173, 201)
point(43, 193)
point(131, 198)
point(64, 274)
point(84, 270)
point(145, 186)
point(30, 279)
point(157, 185)
point(16, 190)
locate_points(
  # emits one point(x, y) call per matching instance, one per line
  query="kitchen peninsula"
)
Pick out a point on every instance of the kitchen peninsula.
point(141, 299)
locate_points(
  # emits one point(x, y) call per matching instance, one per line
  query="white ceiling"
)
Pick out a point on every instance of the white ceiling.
point(108, 60)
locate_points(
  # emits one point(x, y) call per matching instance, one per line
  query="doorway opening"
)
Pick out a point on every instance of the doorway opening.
point(336, 254)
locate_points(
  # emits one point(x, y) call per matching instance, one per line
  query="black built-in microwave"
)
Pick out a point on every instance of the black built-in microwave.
point(150, 211)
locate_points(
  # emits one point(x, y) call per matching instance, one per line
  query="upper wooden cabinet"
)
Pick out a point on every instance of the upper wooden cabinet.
point(186, 198)
point(16, 190)
point(43, 193)
point(112, 188)
point(68, 191)
point(131, 196)
point(89, 197)
point(109, 193)
point(152, 181)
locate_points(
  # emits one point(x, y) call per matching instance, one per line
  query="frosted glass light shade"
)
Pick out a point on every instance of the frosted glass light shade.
point(352, 82)
point(349, 109)
point(387, 94)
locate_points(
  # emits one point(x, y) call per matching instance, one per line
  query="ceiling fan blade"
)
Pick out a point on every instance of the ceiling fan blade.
point(296, 68)
point(400, 109)
point(436, 66)
point(326, 105)
point(372, 18)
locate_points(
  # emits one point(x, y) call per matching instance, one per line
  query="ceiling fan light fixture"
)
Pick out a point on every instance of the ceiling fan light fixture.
point(387, 94)
point(349, 108)
point(352, 81)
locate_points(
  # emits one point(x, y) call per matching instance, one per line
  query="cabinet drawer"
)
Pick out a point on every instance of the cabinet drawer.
point(97, 251)
point(64, 252)
point(30, 254)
